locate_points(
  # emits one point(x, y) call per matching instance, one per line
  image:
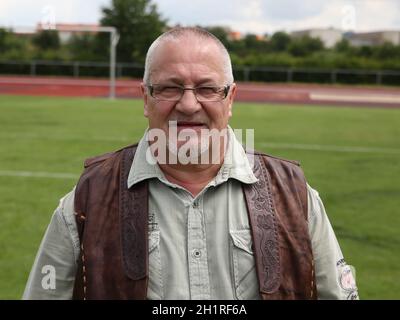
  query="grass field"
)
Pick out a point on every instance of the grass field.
point(350, 155)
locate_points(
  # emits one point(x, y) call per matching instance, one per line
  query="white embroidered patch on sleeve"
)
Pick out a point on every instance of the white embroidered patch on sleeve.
point(347, 279)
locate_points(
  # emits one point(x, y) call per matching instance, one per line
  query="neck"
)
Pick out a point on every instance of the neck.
point(193, 177)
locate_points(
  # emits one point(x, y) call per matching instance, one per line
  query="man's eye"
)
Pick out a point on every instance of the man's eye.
point(172, 88)
point(167, 89)
point(207, 90)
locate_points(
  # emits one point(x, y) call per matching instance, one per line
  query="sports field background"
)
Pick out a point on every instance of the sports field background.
point(350, 155)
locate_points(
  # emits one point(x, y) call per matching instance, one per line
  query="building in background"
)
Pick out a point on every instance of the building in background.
point(234, 35)
point(329, 37)
point(373, 38)
point(67, 30)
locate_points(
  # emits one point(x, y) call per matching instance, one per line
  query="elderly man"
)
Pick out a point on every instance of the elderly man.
point(158, 220)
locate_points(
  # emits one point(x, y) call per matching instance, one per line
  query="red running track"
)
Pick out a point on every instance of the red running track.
point(247, 92)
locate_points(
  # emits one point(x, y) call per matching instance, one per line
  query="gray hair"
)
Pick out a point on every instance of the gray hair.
point(180, 32)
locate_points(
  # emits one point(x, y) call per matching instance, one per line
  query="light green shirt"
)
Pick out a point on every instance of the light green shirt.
point(199, 247)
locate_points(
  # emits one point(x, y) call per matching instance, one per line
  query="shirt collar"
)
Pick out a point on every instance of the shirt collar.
point(236, 164)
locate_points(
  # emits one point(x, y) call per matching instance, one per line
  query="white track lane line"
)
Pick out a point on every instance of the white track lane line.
point(362, 97)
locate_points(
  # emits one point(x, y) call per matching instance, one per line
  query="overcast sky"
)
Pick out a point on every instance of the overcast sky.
point(256, 16)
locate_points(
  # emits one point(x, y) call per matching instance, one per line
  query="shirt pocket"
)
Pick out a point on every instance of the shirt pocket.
point(244, 268)
point(155, 285)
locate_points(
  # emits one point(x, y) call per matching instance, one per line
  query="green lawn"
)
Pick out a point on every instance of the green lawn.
point(350, 155)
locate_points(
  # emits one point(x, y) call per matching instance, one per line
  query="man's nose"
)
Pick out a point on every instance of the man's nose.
point(188, 104)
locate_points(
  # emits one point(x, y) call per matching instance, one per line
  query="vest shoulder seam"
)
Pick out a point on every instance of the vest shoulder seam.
point(101, 158)
point(265, 155)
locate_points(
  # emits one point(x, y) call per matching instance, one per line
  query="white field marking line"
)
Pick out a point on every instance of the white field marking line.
point(312, 147)
point(377, 98)
point(31, 174)
point(330, 148)
point(58, 175)
point(63, 138)
point(297, 146)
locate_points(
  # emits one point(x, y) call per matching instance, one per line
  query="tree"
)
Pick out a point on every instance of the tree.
point(250, 40)
point(82, 47)
point(304, 46)
point(343, 46)
point(365, 51)
point(138, 24)
point(47, 39)
point(3, 35)
point(280, 41)
point(387, 51)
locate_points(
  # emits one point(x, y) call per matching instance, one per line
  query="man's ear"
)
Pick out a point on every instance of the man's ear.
point(143, 89)
point(231, 97)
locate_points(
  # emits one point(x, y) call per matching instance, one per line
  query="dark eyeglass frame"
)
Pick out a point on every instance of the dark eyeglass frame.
point(225, 88)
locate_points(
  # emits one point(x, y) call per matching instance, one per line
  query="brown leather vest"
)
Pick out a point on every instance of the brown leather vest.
point(112, 223)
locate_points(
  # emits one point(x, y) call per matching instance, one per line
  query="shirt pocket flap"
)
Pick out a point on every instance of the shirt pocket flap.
point(242, 239)
point(154, 240)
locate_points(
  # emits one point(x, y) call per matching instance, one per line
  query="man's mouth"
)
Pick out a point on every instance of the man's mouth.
point(190, 125)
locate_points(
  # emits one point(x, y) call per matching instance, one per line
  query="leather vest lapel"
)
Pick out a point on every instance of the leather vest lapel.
point(262, 215)
point(134, 221)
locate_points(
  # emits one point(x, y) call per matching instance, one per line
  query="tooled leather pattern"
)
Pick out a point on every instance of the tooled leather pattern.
point(134, 205)
point(265, 234)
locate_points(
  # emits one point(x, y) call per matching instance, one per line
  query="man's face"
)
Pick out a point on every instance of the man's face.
point(189, 64)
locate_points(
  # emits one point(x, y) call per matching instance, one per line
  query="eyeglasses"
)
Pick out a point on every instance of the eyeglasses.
point(175, 93)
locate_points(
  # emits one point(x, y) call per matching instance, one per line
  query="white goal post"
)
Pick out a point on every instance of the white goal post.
point(114, 38)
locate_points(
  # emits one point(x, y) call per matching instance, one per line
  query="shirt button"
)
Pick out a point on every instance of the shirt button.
point(196, 253)
point(195, 204)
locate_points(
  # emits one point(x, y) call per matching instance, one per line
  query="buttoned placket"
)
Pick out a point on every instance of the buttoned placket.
point(197, 252)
